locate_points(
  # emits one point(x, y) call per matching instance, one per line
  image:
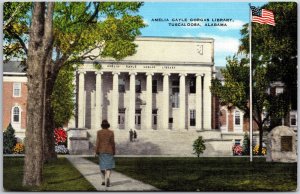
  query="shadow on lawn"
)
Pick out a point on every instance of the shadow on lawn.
point(66, 180)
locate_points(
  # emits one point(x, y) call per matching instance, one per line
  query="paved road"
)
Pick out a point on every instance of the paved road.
point(119, 182)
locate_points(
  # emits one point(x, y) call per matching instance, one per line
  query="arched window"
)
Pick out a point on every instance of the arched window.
point(16, 114)
point(237, 118)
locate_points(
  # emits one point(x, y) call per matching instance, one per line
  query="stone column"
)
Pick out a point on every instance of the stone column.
point(115, 102)
point(98, 100)
point(72, 121)
point(207, 102)
point(165, 100)
point(182, 107)
point(148, 112)
point(131, 108)
point(198, 101)
point(81, 99)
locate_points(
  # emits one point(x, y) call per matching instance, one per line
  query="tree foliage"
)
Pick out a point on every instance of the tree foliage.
point(16, 30)
point(274, 58)
point(9, 140)
point(276, 47)
point(199, 146)
point(246, 144)
point(62, 100)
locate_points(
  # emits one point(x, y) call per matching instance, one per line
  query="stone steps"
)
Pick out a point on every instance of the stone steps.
point(167, 142)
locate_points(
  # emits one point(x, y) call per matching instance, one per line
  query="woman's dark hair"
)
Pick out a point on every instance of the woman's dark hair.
point(105, 124)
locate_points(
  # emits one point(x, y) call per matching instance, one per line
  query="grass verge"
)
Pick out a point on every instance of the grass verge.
point(59, 175)
point(210, 174)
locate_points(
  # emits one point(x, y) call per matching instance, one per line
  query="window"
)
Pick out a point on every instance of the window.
point(170, 120)
point(237, 142)
point(278, 90)
point(293, 119)
point(154, 86)
point(175, 100)
point(121, 86)
point(175, 87)
point(193, 85)
point(16, 114)
point(154, 113)
point(175, 94)
point(237, 118)
point(137, 118)
point(192, 117)
point(121, 116)
point(138, 88)
point(17, 90)
point(155, 120)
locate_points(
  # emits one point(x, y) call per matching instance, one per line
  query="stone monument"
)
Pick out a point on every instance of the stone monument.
point(281, 145)
point(78, 142)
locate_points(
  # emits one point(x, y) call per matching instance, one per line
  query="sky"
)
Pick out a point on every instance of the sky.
point(159, 15)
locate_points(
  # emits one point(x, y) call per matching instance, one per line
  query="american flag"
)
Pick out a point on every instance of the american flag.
point(262, 16)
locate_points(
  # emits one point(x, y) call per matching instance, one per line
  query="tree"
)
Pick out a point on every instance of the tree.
point(274, 58)
point(63, 102)
point(199, 146)
point(235, 92)
point(39, 53)
point(275, 47)
point(246, 144)
point(9, 140)
point(106, 28)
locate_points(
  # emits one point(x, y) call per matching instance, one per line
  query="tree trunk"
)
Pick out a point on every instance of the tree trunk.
point(260, 139)
point(49, 143)
point(34, 137)
point(40, 44)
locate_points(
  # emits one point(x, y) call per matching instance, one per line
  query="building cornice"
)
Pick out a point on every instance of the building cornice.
point(204, 64)
point(174, 39)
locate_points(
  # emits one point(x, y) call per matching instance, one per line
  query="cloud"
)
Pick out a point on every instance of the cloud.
point(223, 44)
point(236, 25)
point(146, 21)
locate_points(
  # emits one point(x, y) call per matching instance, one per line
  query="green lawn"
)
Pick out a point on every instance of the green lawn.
point(58, 175)
point(210, 174)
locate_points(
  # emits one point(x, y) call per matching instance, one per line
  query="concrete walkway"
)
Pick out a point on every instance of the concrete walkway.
point(119, 182)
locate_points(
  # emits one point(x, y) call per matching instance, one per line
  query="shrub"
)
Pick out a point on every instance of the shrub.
point(263, 151)
point(237, 150)
point(61, 149)
point(9, 140)
point(199, 146)
point(19, 148)
point(60, 136)
point(246, 144)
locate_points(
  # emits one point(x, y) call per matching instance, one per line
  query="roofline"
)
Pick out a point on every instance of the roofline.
point(13, 73)
point(175, 38)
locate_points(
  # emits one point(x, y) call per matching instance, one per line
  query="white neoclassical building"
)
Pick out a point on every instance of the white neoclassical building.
point(164, 86)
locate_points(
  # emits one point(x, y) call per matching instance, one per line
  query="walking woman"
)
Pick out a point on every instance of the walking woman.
point(105, 147)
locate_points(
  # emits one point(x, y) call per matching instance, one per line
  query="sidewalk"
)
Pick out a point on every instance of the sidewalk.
point(119, 182)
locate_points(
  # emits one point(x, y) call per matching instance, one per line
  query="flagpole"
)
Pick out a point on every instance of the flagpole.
point(250, 80)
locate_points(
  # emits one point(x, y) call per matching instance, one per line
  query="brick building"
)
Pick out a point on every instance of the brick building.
point(232, 120)
point(14, 97)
